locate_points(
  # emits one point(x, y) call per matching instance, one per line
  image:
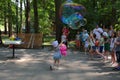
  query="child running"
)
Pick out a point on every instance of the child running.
point(56, 56)
point(92, 45)
point(97, 46)
point(86, 46)
point(77, 40)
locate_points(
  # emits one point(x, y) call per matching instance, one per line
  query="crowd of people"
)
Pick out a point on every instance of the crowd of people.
point(100, 41)
point(104, 42)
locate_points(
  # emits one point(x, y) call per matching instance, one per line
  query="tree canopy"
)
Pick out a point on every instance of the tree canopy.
point(43, 15)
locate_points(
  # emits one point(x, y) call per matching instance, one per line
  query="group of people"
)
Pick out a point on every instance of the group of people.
point(101, 41)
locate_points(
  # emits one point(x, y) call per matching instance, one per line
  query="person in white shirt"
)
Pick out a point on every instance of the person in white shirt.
point(100, 30)
point(64, 38)
point(97, 31)
point(111, 30)
point(85, 35)
point(86, 46)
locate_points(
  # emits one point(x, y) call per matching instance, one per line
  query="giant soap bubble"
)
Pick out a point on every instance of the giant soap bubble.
point(73, 14)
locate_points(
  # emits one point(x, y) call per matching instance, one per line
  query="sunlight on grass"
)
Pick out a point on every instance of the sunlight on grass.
point(71, 44)
point(1, 27)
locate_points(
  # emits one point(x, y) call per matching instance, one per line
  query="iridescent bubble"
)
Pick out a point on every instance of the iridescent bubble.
point(72, 14)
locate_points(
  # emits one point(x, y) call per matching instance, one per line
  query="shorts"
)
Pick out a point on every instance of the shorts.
point(107, 47)
point(101, 48)
point(77, 43)
point(111, 49)
point(94, 47)
point(57, 56)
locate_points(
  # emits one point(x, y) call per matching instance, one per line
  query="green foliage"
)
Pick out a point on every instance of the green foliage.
point(117, 26)
point(97, 11)
point(45, 24)
point(46, 16)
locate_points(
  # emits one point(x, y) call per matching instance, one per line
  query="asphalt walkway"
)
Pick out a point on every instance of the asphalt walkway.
point(33, 64)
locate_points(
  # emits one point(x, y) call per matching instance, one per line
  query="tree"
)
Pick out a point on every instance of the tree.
point(17, 17)
point(20, 15)
point(27, 15)
point(57, 20)
point(9, 19)
point(46, 12)
point(5, 17)
point(36, 21)
point(113, 18)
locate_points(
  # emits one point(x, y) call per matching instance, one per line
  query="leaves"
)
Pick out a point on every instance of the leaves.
point(98, 11)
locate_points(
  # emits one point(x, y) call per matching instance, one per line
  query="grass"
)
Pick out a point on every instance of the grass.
point(1, 27)
point(47, 40)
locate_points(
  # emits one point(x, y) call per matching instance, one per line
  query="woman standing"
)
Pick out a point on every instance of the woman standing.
point(112, 48)
point(117, 49)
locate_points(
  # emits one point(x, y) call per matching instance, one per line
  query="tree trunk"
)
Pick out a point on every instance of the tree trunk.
point(5, 19)
point(36, 23)
point(17, 17)
point(20, 16)
point(0, 37)
point(9, 19)
point(113, 18)
point(58, 21)
point(5, 22)
point(27, 15)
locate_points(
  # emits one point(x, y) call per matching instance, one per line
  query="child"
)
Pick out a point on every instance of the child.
point(112, 48)
point(101, 42)
point(78, 40)
point(106, 45)
point(66, 31)
point(86, 46)
point(92, 45)
point(96, 46)
point(56, 56)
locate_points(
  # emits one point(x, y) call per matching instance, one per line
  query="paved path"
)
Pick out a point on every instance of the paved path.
point(33, 64)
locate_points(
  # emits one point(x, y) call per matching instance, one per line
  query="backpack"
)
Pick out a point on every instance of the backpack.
point(96, 43)
point(63, 49)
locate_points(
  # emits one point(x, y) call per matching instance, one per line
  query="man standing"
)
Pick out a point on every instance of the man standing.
point(0, 37)
point(98, 31)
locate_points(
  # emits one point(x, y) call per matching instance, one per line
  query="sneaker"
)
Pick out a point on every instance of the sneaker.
point(116, 68)
point(51, 67)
